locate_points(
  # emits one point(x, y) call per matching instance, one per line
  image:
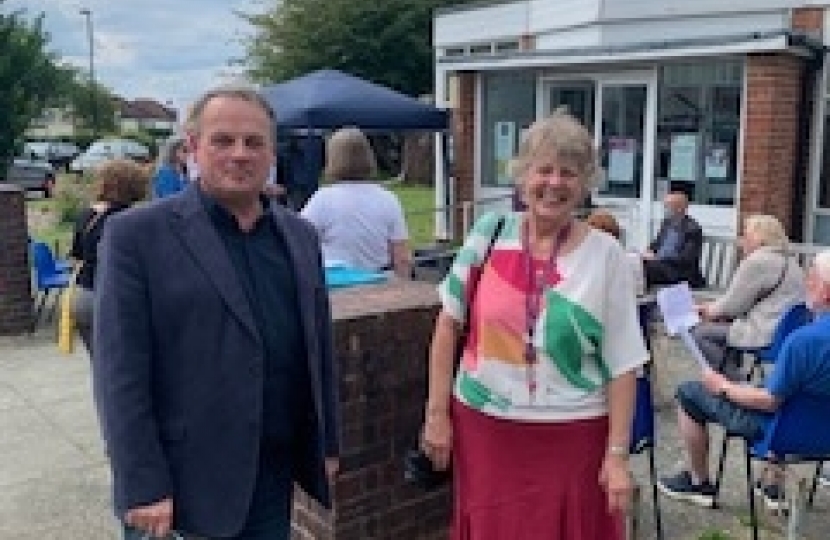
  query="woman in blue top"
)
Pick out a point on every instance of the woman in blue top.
point(171, 175)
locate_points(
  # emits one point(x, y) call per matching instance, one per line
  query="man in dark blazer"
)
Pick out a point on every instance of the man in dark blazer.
point(213, 370)
point(674, 255)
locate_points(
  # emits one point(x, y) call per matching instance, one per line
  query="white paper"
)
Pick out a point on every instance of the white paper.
point(691, 344)
point(621, 154)
point(716, 163)
point(683, 157)
point(677, 307)
point(505, 150)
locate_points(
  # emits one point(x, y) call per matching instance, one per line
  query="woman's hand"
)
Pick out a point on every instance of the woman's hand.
point(436, 438)
point(615, 478)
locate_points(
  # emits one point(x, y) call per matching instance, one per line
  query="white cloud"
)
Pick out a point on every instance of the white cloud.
point(170, 51)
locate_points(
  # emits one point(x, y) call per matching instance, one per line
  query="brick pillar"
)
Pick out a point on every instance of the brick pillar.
point(463, 128)
point(381, 339)
point(15, 279)
point(769, 180)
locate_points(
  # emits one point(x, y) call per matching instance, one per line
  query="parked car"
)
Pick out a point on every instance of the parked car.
point(107, 149)
point(32, 175)
point(59, 154)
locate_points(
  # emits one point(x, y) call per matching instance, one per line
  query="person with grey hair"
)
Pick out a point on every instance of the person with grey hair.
point(213, 367)
point(360, 222)
point(537, 414)
point(766, 283)
point(171, 172)
point(801, 368)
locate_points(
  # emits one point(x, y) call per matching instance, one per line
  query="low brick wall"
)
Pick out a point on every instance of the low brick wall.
point(15, 279)
point(382, 336)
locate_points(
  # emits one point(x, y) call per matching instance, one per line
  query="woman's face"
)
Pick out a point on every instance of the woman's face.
point(750, 240)
point(552, 190)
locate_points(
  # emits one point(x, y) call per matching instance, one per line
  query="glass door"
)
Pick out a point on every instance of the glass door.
point(618, 109)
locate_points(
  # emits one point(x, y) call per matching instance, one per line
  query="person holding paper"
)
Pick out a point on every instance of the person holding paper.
point(802, 367)
point(537, 416)
point(766, 283)
point(674, 255)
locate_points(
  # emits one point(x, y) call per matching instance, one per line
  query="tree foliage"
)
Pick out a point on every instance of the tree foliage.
point(387, 42)
point(29, 78)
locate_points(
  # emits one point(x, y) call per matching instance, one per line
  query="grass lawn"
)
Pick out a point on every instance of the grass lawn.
point(419, 208)
point(418, 203)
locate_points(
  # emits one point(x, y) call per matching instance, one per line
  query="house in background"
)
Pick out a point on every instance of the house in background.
point(145, 115)
point(727, 101)
point(136, 115)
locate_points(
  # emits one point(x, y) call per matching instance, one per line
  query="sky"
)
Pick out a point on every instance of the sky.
point(167, 50)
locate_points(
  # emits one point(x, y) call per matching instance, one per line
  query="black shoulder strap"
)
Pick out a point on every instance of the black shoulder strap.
point(473, 285)
point(781, 276)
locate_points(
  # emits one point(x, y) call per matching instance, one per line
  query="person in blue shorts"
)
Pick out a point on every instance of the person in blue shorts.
point(802, 367)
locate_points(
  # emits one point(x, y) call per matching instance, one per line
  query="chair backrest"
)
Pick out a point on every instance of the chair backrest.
point(798, 428)
point(44, 262)
point(795, 317)
point(642, 428)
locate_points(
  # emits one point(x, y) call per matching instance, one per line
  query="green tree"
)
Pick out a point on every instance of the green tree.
point(29, 78)
point(387, 42)
point(82, 96)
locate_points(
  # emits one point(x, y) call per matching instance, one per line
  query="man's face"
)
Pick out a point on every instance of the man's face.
point(675, 205)
point(233, 149)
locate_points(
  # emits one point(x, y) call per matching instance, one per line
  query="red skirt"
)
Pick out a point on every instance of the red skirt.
point(529, 480)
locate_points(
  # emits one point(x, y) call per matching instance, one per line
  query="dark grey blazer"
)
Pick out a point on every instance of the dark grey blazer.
point(686, 264)
point(178, 366)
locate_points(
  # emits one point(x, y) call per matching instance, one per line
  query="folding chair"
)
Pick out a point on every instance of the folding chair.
point(642, 440)
point(797, 433)
point(48, 277)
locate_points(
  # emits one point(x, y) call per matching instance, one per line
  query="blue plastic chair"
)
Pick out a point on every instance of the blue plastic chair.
point(797, 434)
point(48, 277)
point(795, 317)
point(642, 440)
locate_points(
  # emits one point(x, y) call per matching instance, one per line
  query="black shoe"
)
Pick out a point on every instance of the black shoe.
point(773, 495)
point(682, 488)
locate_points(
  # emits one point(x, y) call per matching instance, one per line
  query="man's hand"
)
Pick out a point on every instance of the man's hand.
point(649, 255)
point(714, 381)
point(156, 518)
point(332, 468)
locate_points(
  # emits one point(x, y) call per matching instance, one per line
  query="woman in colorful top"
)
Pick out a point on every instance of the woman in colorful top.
point(537, 418)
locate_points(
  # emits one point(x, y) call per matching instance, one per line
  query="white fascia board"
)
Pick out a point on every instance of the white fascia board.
point(540, 59)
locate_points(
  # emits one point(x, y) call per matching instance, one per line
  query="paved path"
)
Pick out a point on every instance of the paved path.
point(54, 482)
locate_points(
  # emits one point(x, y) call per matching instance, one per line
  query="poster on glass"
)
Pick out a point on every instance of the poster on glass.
point(622, 152)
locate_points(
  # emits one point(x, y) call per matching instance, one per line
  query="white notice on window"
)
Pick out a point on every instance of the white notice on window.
point(677, 307)
point(683, 158)
point(621, 155)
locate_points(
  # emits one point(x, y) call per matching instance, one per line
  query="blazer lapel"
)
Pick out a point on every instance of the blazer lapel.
point(206, 247)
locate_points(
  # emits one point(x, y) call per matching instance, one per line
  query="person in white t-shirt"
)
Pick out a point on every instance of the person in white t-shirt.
point(360, 222)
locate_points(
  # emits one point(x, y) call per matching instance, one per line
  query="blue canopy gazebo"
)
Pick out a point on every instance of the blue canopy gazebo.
point(321, 101)
point(330, 99)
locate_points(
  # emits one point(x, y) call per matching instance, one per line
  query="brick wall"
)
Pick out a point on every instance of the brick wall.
point(15, 280)
point(463, 129)
point(382, 336)
point(771, 135)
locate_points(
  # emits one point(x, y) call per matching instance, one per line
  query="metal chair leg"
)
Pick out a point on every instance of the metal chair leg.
point(753, 514)
point(721, 463)
point(658, 522)
point(40, 302)
point(814, 484)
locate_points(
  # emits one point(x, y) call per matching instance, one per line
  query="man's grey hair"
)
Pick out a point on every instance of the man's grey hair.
point(236, 91)
point(821, 264)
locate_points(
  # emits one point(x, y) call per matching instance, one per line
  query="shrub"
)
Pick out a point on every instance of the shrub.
point(71, 198)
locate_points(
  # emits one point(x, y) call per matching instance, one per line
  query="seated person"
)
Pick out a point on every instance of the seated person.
point(802, 366)
point(171, 174)
point(766, 283)
point(674, 256)
point(603, 220)
point(360, 222)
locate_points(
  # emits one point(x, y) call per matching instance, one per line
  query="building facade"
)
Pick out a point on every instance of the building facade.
point(725, 101)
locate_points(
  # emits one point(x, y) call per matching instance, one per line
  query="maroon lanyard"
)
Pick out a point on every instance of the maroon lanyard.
point(537, 282)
